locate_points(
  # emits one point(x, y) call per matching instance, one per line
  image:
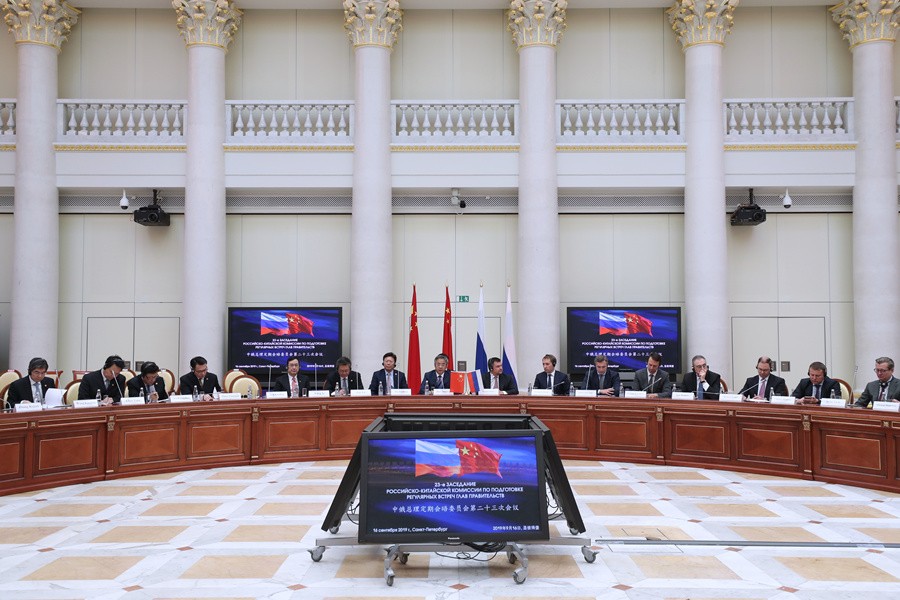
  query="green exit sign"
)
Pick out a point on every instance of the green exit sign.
point(462, 298)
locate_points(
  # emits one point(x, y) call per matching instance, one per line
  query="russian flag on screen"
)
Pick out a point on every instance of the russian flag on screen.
point(437, 458)
point(612, 324)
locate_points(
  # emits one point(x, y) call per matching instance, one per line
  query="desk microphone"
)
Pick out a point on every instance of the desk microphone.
point(316, 374)
point(650, 385)
point(118, 387)
point(269, 384)
point(750, 387)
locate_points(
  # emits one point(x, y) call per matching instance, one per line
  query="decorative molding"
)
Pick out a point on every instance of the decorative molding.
point(787, 147)
point(373, 22)
point(287, 148)
point(864, 21)
point(207, 22)
point(454, 148)
point(7, 147)
point(537, 22)
point(702, 21)
point(120, 147)
point(46, 22)
point(621, 147)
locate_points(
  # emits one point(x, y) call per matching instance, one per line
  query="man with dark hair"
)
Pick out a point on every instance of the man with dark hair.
point(765, 384)
point(388, 378)
point(148, 383)
point(496, 379)
point(550, 378)
point(439, 378)
point(702, 381)
point(818, 385)
point(343, 379)
point(107, 383)
point(200, 379)
point(293, 381)
point(652, 379)
point(886, 388)
point(33, 386)
point(601, 378)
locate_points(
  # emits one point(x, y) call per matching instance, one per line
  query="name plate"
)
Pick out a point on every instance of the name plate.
point(585, 393)
point(489, 392)
point(23, 407)
point(834, 403)
point(135, 401)
point(232, 396)
point(442, 392)
point(180, 398)
point(537, 392)
point(783, 400)
point(87, 403)
point(635, 394)
point(401, 392)
point(318, 393)
point(273, 395)
point(360, 392)
point(731, 398)
point(682, 395)
point(884, 406)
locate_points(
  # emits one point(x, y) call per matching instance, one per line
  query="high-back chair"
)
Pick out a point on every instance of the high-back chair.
point(245, 384)
point(230, 376)
point(71, 394)
point(169, 377)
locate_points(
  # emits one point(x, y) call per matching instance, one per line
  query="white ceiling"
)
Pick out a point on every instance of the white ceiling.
point(429, 4)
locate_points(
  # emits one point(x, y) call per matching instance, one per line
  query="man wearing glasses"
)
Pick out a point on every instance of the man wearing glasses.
point(701, 380)
point(886, 388)
point(818, 385)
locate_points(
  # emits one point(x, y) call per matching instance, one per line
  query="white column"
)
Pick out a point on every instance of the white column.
point(701, 28)
point(537, 28)
point(208, 28)
point(876, 234)
point(373, 27)
point(40, 30)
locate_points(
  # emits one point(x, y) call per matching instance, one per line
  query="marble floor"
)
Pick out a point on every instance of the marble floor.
point(244, 533)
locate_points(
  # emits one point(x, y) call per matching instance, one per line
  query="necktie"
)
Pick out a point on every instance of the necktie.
point(344, 385)
point(600, 380)
point(440, 380)
point(816, 391)
point(652, 382)
point(882, 393)
point(549, 381)
point(762, 388)
point(37, 397)
point(699, 389)
point(494, 384)
point(294, 393)
point(389, 379)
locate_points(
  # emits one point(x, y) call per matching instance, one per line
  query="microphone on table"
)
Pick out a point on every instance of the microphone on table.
point(118, 387)
point(749, 387)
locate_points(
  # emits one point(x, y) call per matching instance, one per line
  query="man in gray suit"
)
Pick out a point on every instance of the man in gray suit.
point(885, 388)
point(652, 379)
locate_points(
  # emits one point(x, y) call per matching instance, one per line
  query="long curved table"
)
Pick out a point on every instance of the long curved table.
point(61, 447)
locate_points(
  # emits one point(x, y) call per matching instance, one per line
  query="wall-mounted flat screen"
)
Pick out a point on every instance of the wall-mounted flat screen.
point(625, 335)
point(452, 487)
point(259, 338)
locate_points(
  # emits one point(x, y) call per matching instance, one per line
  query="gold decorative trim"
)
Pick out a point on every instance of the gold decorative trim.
point(880, 39)
point(46, 23)
point(119, 148)
point(7, 147)
point(373, 44)
point(864, 21)
point(786, 147)
point(207, 22)
point(539, 22)
point(287, 148)
point(705, 22)
point(703, 43)
point(621, 147)
point(454, 148)
point(210, 44)
point(373, 22)
point(532, 44)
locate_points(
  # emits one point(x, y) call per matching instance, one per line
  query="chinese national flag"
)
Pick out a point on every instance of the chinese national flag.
point(639, 324)
point(297, 323)
point(477, 458)
point(458, 382)
point(414, 363)
point(448, 333)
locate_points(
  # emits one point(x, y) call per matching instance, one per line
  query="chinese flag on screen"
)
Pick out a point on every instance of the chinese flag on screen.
point(297, 323)
point(477, 458)
point(638, 324)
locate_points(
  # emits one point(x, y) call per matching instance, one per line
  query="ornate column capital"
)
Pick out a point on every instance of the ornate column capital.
point(373, 22)
point(864, 21)
point(702, 21)
point(207, 22)
point(537, 22)
point(45, 22)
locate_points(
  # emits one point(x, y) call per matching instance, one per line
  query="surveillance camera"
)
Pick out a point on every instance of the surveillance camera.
point(462, 203)
point(123, 202)
point(786, 199)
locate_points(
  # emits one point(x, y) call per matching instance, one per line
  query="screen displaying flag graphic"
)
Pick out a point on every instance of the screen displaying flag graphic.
point(450, 458)
point(284, 323)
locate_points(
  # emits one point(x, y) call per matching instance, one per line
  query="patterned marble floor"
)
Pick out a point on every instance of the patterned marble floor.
point(243, 533)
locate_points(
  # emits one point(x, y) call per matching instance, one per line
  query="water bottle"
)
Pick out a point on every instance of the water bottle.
point(99, 397)
point(833, 397)
point(427, 389)
point(250, 394)
point(337, 389)
point(194, 394)
point(215, 393)
point(571, 389)
point(530, 387)
point(143, 401)
point(380, 389)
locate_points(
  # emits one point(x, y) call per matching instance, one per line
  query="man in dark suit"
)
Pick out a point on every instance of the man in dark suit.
point(886, 388)
point(818, 385)
point(765, 384)
point(388, 378)
point(550, 378)
point(495, 378)
point(149, 384)
point(292, 382)
point(601, 378)
point(702, 381)
point(439, 378)
point(652, 379)
point(108, 381)
point(33, 387)
point(340, 381)
point(200, 378)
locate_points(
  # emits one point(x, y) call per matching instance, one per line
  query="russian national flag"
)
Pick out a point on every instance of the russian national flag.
point(612, 324)
point(474, 378)
point(480, 352)
point(437, 458)
point(509, 341)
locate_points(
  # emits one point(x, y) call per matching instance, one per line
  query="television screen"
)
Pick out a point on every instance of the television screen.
point(625, 335)
point(262, 337)
point(452, 487)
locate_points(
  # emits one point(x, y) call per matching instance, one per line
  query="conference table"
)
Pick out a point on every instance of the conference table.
point(50, 448)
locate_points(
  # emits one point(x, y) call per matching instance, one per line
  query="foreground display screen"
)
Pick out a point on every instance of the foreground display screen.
point(452, 487)
point(262, 337)
point(625, 335)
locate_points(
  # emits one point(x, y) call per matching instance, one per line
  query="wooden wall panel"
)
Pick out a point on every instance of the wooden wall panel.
point(12, 458)
point(149, 443)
